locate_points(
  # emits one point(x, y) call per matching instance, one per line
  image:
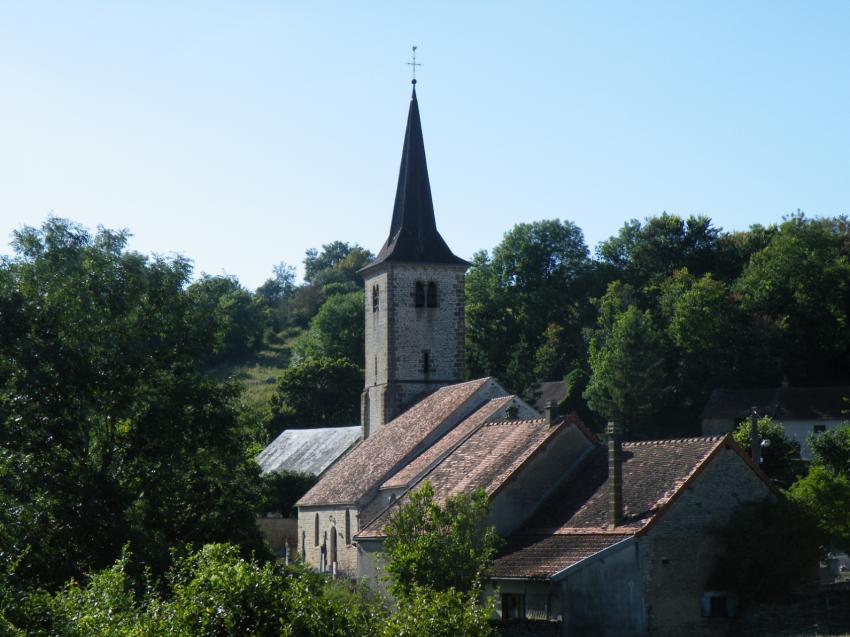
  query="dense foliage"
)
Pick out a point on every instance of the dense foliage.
point(668, 310)
point(440, 545)
point(779, 454)
point(756, 563)
point(109, 429)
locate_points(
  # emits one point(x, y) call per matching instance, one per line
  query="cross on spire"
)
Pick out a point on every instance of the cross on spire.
point(414, 65)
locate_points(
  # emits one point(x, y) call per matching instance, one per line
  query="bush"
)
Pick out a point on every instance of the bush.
point(427, 613)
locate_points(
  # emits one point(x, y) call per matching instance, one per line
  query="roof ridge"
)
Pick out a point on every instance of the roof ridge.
point(671, 441)
point(518, 421)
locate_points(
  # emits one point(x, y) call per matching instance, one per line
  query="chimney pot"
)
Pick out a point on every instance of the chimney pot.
point(551, 412)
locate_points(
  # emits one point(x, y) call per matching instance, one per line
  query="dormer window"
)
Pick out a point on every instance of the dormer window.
point(419, 294)
point(375, 298)
point(431, 297)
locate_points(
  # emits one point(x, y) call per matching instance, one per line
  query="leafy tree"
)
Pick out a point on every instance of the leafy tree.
point(282, 490)
point(276, 295)
point(428, 613)
point(538, 275)
point(778, 459)
point(826, 496)
point(228, 312)
point(800, 283)
point(338, 262)
point(643, 254)
point(337, 330)
point(110, 430)
point(756, 562)
point(440, 546)
point(831, 449)
point(317, 392)
point(627, 360)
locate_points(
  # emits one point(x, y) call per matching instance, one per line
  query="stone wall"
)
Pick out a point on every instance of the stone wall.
point(331, 522)
point(678, 553)
point(398, 334)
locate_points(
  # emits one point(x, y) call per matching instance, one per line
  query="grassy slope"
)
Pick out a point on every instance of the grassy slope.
point(260, 372)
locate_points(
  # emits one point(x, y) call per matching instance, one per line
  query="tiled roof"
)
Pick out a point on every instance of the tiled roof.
point(307, 450)
point(409, 473)
point(542, 556)
point(370, 463)
point(486, 459)
point(653, 472)
point(573, 523)
point(544, 392)
point(782, 403)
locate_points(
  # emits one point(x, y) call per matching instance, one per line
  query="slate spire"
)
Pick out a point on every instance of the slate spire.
point(413, 231)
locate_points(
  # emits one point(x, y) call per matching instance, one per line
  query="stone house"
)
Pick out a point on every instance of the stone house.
point(610, 543)
point(802, 411)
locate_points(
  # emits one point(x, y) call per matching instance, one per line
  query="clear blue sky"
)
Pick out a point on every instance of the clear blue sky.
point(241, 133)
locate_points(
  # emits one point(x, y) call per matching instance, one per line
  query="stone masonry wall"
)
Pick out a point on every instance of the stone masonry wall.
point(678, 554)
point(330, 521)
point(398, 334)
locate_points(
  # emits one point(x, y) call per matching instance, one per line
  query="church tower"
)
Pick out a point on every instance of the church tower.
point(414, 297)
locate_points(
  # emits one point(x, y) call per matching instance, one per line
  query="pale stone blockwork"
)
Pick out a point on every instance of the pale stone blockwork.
point(331, 525)
point(411, 348)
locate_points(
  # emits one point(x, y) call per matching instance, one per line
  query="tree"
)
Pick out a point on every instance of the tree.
point(643, 254)
point(110, 429)
point(440, 546)
point(338, 262)
point(230, 313)
point(317, 392)
point(428, 613)
point(831, 449)
point(337, 330)
point(800, 284)
point(826, 496)
point(778, 458)
point(539, 275)
point(282, 490)
point(756, 563)
point(627, 361)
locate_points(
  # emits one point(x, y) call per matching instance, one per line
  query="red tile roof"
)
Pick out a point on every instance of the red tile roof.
point(653, 472)
point(422, 463)
point(486, 459)
point(542, 556)
point(366, 466)
point(573, 524)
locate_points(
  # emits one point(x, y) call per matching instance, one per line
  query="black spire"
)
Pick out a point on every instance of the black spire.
point(413, 232)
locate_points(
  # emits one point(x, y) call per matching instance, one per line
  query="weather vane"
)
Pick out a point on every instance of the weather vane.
point(414, 65)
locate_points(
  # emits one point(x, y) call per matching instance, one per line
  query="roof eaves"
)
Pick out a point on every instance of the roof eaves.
point(587, 561)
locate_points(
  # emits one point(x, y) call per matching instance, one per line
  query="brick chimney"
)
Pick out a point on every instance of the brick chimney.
point(615, 473)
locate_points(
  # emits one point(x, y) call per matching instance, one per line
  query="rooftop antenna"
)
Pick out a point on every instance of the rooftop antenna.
point(414, 65)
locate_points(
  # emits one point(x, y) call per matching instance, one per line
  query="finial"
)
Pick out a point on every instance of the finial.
point(414, 65)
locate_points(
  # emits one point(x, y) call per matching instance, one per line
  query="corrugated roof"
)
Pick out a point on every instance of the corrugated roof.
point(371, 462)
point(307, 450)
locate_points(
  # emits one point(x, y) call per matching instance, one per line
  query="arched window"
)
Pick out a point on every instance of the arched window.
point(426, 361)
point(303, 545)
point(419, 295)
point(316, 532)
point(334, 559)
point(375, 298)
point(347, 527)
point(432, 294)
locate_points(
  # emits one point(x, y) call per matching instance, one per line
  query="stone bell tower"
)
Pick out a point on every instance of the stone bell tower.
point(414, 297)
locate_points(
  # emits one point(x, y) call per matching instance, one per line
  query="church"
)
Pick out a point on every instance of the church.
point(606, 539)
